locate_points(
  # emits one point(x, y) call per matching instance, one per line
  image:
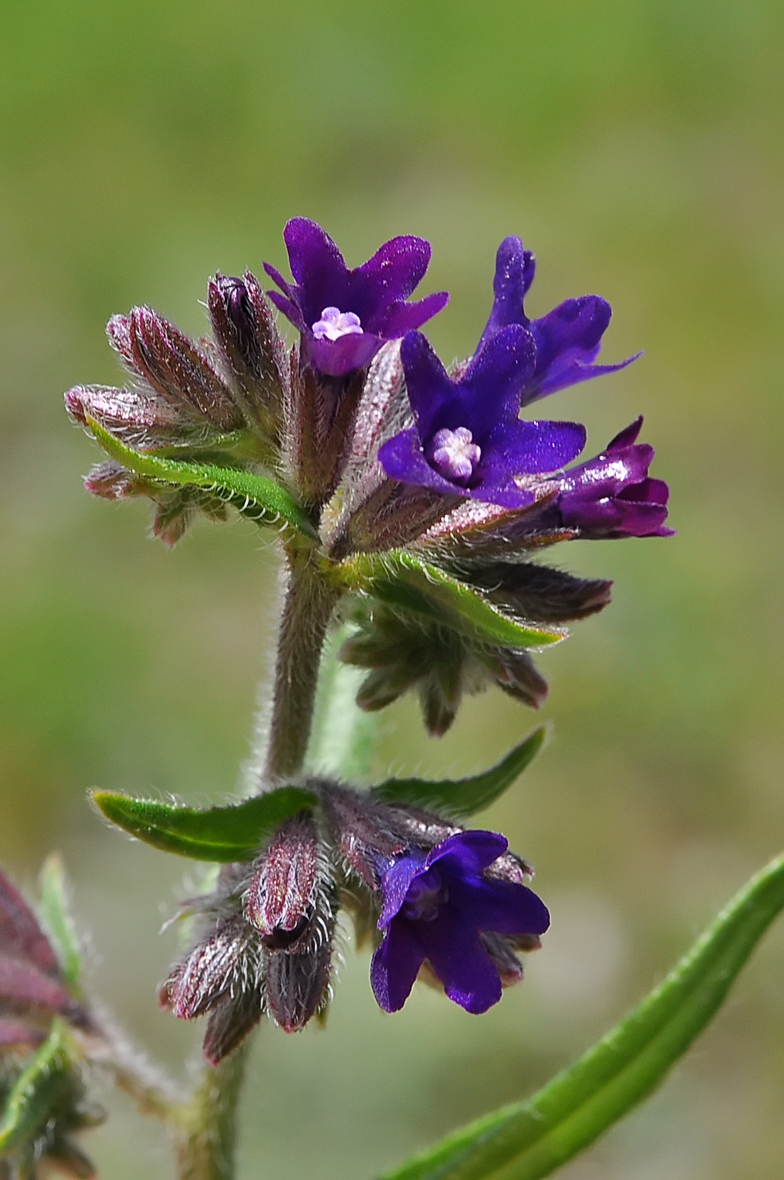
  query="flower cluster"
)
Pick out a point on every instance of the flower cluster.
point(412, 502)
point(449, 905)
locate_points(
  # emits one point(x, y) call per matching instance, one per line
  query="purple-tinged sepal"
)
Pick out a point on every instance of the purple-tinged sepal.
point(568, 338)
point(467, 439)
point(344, 316)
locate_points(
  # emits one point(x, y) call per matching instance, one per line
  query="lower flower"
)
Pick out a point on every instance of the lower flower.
point(437, 906)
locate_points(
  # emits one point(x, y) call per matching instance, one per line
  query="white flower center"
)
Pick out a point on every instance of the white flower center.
point(455, 453)
point(335, 323)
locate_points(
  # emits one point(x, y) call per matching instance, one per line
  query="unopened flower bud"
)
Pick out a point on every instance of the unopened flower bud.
point(173, 367)
point(253, 354)
point(292, 903)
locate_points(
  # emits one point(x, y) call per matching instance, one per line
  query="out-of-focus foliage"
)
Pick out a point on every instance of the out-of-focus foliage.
point(637, 149)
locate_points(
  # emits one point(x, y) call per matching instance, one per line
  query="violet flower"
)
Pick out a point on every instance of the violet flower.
point(468, 439)
point(568, 338)
point(345, 315)
point(612, 495)
point(434, 907)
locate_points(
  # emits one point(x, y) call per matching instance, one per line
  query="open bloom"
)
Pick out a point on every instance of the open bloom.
point(468, 439)
point(345, 315)
point(436, 905)
point(568, 338)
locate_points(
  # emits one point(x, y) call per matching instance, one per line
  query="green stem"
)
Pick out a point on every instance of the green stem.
point(307, 608)
point(207, 1145)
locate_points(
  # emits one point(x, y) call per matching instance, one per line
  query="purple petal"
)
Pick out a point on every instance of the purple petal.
point(395, 966)
point(430, 390)
point(397, 882)
point(573, 375)
point(390, 275)
point(627, 436)
point(402, 459)
point(492, 383)
point(514, 273)
point(400, 318)
point(572, 329)
point(501, 906)
point(290, 310)
point(461, 962)
point(289, 289)
point(533, 448)
point(341, 356)
point(318, 268)
point(469, 852)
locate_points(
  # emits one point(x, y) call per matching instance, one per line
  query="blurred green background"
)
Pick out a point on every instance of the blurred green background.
point(636, 145)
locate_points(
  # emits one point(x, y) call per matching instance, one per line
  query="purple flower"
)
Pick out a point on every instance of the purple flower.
point(345, 315)
point(612, 496)
point(468, 439)
point(435, 906)
point(567, 339)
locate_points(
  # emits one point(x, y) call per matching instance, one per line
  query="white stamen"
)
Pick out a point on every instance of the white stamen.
point(455, 453)
point(335, 323)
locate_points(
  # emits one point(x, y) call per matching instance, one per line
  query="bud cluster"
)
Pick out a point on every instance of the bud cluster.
point(450, 905)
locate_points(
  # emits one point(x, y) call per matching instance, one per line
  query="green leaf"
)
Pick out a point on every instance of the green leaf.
point(464, 796)
point(56, 917)
point(532, 1139)
point(263, 500)
point(37, 1090)
point(222, 834)
point(415, 587)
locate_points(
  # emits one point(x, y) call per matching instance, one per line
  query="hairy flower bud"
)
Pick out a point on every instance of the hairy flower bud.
point(254, 356)
point(170, 365)
point(292, 903)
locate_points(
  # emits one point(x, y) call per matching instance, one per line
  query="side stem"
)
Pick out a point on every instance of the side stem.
point(209, 1126)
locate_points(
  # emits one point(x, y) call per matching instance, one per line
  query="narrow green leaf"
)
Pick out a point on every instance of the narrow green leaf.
point(464, 796)
point(261, 499)
point(56, 916)
point(222, 834)
point(412, 586)
point(36, 1091)
point(529, 1140)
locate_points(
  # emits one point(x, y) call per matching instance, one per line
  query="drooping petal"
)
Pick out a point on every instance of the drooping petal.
point(397, 882)
point(469, 852)
point(395, 966)
point(460, 961)
point(501, 906)
point(568, 340)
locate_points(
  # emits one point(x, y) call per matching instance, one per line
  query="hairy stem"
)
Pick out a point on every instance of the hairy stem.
point(209, 1125)
point(206, 1147)
point(307, 608)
